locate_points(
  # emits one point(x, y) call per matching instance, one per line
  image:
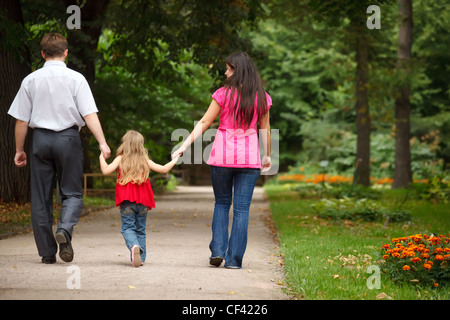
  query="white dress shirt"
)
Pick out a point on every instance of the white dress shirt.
point(53, 97)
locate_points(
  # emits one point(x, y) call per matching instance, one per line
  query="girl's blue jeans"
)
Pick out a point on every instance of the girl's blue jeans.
point(134, 218)
point(231, 185)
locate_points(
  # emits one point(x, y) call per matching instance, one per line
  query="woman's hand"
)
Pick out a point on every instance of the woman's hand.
point(266, 163)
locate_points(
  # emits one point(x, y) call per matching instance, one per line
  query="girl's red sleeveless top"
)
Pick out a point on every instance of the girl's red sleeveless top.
point(139, 193)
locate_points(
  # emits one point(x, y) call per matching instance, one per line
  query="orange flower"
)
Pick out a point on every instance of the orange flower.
point(385, 256)
point(438, 250)
point(447, 250)
point(407, 253)
point(415, 259)
point(427, 266)
point(424, 256)
point(406, 267)
point(439, 257)
point(435, 240)
point(436, 284)
point(386, 246)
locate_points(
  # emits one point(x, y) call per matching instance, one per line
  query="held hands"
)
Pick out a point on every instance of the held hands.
point(178, 152)
point(105, 151)
point(178, 156)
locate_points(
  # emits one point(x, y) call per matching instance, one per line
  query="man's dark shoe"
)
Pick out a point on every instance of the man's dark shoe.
point(49, 259)
point(65, 247)
point(216, 261)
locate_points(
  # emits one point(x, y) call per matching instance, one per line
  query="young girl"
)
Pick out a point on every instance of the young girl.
point(134, 193)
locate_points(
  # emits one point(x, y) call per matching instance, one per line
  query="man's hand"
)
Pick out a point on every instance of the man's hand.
point(93, 123)
point(20, 159)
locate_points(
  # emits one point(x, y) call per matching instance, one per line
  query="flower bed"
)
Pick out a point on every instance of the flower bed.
point(421, 259)
point(319, 178)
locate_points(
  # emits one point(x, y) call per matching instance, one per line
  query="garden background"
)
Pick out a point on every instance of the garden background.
point(359, 110)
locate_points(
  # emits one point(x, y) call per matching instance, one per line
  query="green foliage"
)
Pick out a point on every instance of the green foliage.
point(436, 189)
point(358, 209)
point(306, 73)
point(335, 142)
point(153, 106)
point(309, 70)
point(208, 29)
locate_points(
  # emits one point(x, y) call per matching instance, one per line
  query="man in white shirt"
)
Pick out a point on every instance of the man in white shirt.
point(56, 102)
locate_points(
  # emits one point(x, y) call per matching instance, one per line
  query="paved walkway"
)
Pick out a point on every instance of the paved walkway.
point(177, 266)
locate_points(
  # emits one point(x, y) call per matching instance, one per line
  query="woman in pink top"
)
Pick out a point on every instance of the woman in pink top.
point(242, 104)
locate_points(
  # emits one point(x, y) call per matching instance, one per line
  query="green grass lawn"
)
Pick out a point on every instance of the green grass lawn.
point(330, 259)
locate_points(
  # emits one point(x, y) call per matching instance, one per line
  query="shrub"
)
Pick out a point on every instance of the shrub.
point(358, 209)
point(419, 259)
point(436, 190)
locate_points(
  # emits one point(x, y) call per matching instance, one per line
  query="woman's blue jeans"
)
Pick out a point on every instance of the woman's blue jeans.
point(231, 185)
point(134, 218)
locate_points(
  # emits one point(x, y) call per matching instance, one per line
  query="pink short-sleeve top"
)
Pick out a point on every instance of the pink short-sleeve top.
point(232, 147)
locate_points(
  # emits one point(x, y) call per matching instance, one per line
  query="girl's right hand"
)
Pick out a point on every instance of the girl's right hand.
point(105, 150)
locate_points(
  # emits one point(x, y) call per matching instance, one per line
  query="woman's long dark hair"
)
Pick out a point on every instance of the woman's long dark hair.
point(248, 85)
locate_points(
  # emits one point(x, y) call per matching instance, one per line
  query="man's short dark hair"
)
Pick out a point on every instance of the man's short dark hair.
point(54, 45)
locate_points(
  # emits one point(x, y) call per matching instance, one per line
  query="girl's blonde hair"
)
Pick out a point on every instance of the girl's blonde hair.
point(134, 163)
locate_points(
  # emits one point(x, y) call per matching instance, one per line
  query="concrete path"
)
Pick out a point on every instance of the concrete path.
point(177, 266)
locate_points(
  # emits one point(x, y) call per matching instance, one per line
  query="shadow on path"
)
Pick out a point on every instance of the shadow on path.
point(177, 266)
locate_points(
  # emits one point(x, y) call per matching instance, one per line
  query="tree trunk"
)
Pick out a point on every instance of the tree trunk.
point(362, 110)
point(402, 171)
point(83, 47)
point(14, 66)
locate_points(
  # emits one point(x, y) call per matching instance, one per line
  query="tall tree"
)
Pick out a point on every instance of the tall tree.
point(14, 66)
point(83, 48)
point(402, 170)
point(339, 12)
point(362, 102)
